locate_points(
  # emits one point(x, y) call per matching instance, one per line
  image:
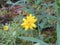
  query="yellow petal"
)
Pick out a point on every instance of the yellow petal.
point(33, 17)
point(26, 27)
point(31, 27)
point(35, 20)
point(30, 14)
point(34, 25)
point(24, 19)
point(22, 24)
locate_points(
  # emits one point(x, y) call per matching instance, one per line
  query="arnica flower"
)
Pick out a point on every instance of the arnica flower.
point(29, 22)
point(6, 27)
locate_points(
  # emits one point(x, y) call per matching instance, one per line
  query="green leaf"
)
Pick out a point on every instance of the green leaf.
point(33, 40)
point(58, 33)
point(58, 2)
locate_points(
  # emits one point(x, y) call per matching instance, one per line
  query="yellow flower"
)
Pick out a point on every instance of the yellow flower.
point(29, 22)
point(5, 27)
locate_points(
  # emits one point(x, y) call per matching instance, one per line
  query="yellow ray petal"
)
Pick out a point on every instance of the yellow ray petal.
point(26, 27)
point(34, 25)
